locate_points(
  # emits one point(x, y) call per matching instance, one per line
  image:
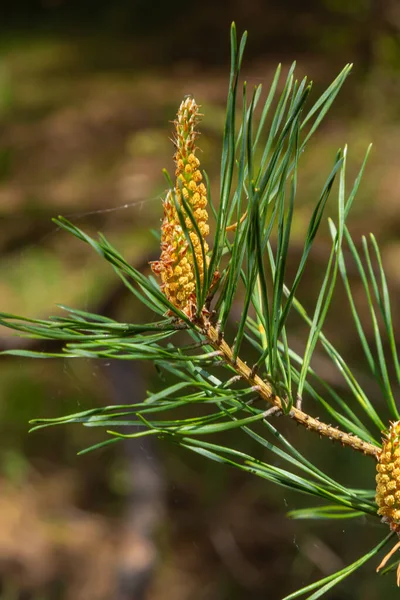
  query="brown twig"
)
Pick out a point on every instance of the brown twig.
point(266, 392)
point(234, 226)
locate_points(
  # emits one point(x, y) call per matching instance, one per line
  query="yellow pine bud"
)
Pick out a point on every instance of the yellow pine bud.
point(387, 478)
point(176, 264)
point(388, 486)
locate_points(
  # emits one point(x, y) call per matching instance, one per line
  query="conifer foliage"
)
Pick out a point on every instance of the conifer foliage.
point(233, 252)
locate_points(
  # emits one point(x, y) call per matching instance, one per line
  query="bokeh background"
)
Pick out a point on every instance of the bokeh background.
point(87, 92)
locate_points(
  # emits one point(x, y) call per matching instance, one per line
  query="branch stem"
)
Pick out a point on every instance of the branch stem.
point(266, 392)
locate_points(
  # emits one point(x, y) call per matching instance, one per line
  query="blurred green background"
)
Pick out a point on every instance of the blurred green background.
point(87, 93)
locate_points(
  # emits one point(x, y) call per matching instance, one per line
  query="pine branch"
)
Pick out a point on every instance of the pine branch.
point(266, 392)
point(256, 204)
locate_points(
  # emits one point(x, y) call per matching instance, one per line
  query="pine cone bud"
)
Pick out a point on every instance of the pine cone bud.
point(176, 264)
point(388, 478)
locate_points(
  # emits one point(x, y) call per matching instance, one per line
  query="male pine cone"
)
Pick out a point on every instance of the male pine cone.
point(388, 478)
point(388, 486)
point(176, 264)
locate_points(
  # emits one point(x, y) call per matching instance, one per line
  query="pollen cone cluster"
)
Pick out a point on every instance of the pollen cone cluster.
point(388, 478)
point(176, 264)
point(388, 487)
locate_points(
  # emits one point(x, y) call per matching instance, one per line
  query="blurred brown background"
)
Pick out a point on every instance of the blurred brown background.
point(87, 92)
